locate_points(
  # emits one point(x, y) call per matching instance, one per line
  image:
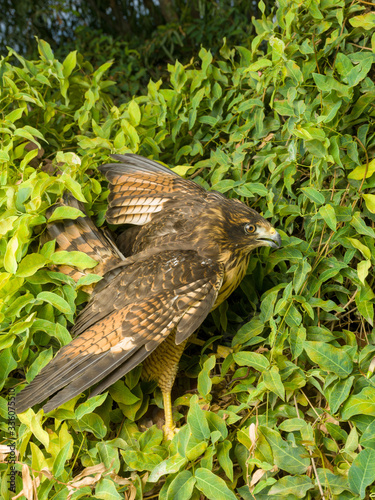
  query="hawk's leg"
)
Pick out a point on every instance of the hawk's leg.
point(162, 365)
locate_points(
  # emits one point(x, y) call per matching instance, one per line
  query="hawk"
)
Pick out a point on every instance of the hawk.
point(185, 253)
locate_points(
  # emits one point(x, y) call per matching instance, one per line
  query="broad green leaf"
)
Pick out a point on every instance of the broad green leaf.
point(224, 459)
point(34, 423)
point(362, 472)
point(365, 21)
point(314, 195)
point(181, 488)
point(253, 359)
point(168, 466)
point(56, 301)
point(363, 171)
point(89, 279)
point(329, 216)
point(91, 423)
point(69, 63)
point(290, 458)
point(106, 490)
point(10, 261)
point(272, 381)
point(74, 188)
point(197, 420)
point(368, 437)
point(61, 213)
point(134, 113)
point(338, 393)
point(362, 403)
point(212, 486)
point(76, 259)
point(292, 485)
point(370, 202)
point(90, 405)
point(329, 358)
point(58, 465)
point(363, 268)
point(30, 264)
point(204, 380)
point(7, 364)
point(365, 251)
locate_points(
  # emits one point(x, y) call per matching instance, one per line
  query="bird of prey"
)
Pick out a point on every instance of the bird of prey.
point(185, 253)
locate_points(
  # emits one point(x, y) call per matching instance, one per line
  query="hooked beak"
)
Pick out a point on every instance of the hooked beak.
point(268, 237)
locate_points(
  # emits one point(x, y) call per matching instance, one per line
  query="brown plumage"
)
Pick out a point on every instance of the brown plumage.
point(187, 251)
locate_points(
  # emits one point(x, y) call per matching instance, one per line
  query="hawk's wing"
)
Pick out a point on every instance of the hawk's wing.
point(141, 187)
point(126, 320)
point(82, 235)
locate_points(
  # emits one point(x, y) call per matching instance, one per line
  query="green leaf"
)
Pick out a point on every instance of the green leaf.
point(10, 261)
point(362, 472)
point(204, 380)
point(370, 202)
point(272, 381)
point(363, 171)
point(292, 459)
point(134, 113)
point(90, 405)
point(253, 359)
point(168, 466)
point(365, 21)
point(76, 259)
point(212, 486)
point(73, 187)
point(314, 195)
point(224, 459)
point(56, 301)
point(30, 264)
point(7, 364)
point(89, 279)
point(197, 420)
point(363, 268)
point(338, 393)
point(121, 394)
point(329, 358)
point(362, 403)
point(61, 213)
point(106, 490)
point(92, 423)
point(329, 216)
point(34, 423)
point(62, 456)
point(291, 485)
point(69, 63)
point(181, 488)
point(365, 251)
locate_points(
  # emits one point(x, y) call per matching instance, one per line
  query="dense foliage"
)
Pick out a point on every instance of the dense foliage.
point(278, 397)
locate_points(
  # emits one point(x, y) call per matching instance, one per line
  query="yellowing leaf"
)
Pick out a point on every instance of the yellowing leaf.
point(362, 270)
point(365, 251)
point(181, 169)
point(370, 202)
point(359, 172)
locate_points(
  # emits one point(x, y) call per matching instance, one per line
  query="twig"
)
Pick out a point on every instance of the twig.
point(316, 475)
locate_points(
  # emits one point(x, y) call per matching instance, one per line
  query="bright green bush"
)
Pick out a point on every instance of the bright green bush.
point(286, 405)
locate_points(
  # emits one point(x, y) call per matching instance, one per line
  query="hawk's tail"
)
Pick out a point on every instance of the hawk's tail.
point(82, 235)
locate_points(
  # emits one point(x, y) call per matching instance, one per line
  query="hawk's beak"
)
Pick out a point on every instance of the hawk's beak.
point(268, 236)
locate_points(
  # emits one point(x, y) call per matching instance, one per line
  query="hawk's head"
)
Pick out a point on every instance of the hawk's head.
point(242, 228)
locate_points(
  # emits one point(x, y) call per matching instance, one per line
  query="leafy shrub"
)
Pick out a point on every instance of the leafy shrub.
point(286, 405)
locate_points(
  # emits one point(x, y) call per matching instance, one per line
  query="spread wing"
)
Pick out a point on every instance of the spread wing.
point(82, 235)
point(126, 319)
point(141, 187)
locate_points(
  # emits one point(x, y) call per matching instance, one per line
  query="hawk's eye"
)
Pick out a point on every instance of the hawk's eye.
point(249, 228)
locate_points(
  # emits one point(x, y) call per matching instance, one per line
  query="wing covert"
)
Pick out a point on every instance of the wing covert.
point(140, 187)
point(126, 320)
